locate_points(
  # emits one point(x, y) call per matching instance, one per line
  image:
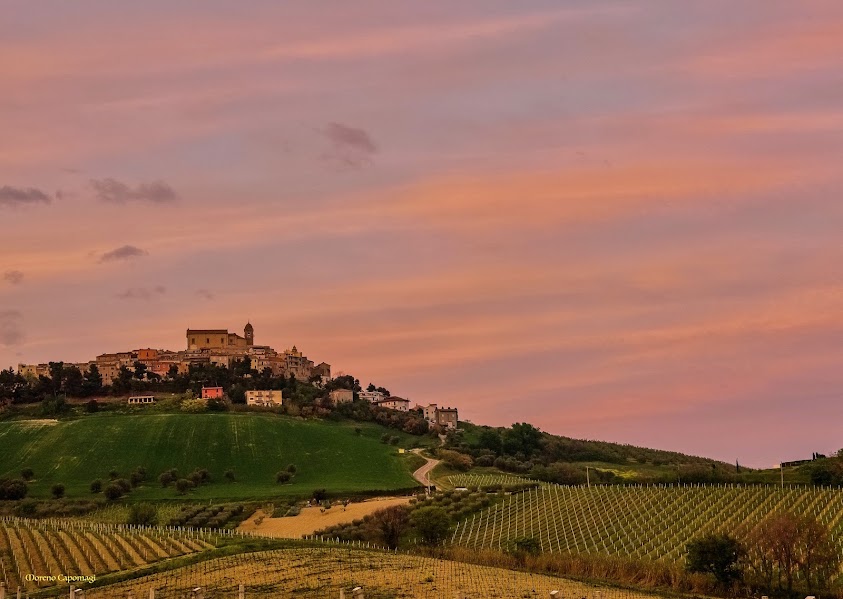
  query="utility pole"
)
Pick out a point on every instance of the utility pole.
point(781, 467)
point(587, 478)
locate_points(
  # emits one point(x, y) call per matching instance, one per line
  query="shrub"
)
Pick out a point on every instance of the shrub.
point(96, 486)
point(143, 514)
point(385, 438)
point(183, 486)
point(283, 477)
point(431, 523)
point(291, 468)
point(113, 492)
point(13, 489)
point(57, 490)
point(229, 475)
point(455, 459)
point(320, 495)
point(92, 406)
point(27, 474)
point(124, 485)
point(166, 478)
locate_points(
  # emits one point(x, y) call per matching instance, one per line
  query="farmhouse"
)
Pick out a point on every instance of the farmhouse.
point(339, 396)
point(394, 403)
point(446, 417)
point(211, 392)
point(371, 396)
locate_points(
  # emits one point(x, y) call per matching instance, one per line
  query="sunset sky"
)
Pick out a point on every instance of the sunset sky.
point(614, 220)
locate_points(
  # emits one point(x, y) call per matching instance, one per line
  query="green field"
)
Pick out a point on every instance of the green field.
point(327, 454)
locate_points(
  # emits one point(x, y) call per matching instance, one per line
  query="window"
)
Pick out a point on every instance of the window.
point(207, 340)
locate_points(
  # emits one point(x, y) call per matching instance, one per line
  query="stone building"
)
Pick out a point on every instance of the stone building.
point(220, 338)
point(446, 417)
point(339, 396)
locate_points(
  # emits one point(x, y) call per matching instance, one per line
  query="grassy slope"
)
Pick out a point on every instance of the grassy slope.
point(327, 454)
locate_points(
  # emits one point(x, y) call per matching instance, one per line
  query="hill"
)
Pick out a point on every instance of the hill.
point(329, 455)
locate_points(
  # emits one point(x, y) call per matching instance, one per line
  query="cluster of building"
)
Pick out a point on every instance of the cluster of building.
point(204, 346)
point(219, 347)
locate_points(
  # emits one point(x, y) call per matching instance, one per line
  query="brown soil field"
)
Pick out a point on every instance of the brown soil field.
point(321, 572)
point(312, 519)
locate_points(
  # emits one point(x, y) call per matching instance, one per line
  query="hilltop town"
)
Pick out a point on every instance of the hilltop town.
point(224, 349)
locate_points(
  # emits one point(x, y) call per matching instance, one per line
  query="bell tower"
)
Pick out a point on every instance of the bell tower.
point(249, 333)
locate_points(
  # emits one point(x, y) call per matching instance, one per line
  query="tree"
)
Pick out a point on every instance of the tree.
point(291, 469)
point(165, 478)
point(13, 489)
point(56, 370)
point(27, 474)
point(96, 486)
point(283, 477)
point(391, 523)
point(57, 490)
point(716, 554)
point(73, 383)
point(521, 438)
point(140, 370)
point(431, 523)
point(229, 475)
point(113, 492)
point(143, 514)
point(93, 381)
point(183, 486)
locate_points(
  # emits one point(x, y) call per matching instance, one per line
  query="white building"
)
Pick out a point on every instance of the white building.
point(371, 396)
point(265, 398)
point(395, 403)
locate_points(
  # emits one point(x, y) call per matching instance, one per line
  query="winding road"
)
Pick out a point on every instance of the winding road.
point(423, 474)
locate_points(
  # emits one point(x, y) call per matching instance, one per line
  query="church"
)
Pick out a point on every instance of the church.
point(220, 338)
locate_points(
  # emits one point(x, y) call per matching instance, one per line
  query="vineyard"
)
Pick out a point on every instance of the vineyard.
point(650, 523)
point(53, 547)
point(319, 572)
point(484, 481)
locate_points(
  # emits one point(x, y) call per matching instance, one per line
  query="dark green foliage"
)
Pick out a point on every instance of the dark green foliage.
point(27, 474)
point(183, 485)
point(291, 468)
point(12, 489)
point(431, 523)
point(57, 490)
point(113, 492)
point(124, 485)
point(523, 546)
point(92, 406)
point(283, 477)
point(230, 476)
point(716, 554)
point(391, 524)
point(96, 486)
point(143, 514)
point(320, 495)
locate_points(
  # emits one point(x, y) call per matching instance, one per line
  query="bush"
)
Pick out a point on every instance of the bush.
point(291, 468)
point(92, 406)
point(143, 514)
point(183, 486)
point(113, 492)
point(166, 478)
point(431, 523)
point(57, 490)
point(320, 495)
point(283, 477)
point(455, 459)
point(229, 475)
point(124, 485)
point(96, 486)
point(27, 474)
point(13, 489)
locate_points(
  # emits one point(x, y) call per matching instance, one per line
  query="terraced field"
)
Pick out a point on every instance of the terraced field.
point(639, 522)
point(73, 548)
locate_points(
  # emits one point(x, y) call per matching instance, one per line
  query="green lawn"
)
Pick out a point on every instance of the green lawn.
point(327, 455)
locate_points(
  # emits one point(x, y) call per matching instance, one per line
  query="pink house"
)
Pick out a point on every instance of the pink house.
point(211, 392)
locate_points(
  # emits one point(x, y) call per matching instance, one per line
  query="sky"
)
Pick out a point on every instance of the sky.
point(616, 220)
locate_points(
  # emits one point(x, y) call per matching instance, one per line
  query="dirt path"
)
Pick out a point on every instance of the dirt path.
point(312, 519)
point(423, 474)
